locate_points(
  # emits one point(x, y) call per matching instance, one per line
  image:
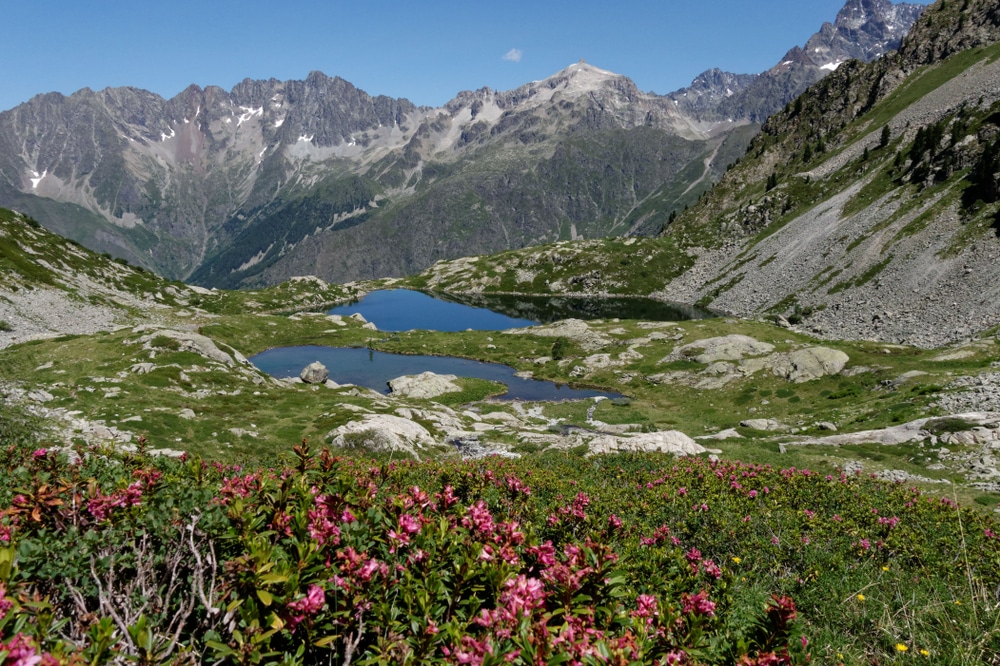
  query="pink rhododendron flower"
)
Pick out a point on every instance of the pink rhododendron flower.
point(100, 507)
point(306, 607)
point(368, 570)
point(409, 524)
point(646, 607)
point(522, 595)
point(546, 553)
point(698, 604)
point(712, 569)
point(447, 497)
point(396, 539)
point(515, 485)
point(479, 518)
point(20, 652)
point(5, 603)
point(238, 486)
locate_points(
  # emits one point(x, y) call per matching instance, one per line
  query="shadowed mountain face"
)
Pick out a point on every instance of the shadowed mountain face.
point(279, 178)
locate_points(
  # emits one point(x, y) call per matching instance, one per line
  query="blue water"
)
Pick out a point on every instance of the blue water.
point(405, 310)
point(374, 369)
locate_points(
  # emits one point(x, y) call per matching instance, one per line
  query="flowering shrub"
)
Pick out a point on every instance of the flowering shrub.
point(619, 560)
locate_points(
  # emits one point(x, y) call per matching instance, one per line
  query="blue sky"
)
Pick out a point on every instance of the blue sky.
point(424, 51)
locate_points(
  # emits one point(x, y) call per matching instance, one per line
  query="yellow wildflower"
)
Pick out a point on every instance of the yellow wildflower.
point(861, 597)
point(737, 560)
point(925, 652)
point(901, 647)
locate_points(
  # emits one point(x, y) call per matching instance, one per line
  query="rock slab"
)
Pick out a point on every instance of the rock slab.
point(426, 385)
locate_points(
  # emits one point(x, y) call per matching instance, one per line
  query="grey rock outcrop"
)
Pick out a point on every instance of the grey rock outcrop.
point(576, 330)
point(670, 441)
point(192, 342)
point(766, 425)
point(382, 432)
point(812, 363)
point(726, 348)
point(734, 357)
point(314, 373)
point(728, 433)
point(426, 385)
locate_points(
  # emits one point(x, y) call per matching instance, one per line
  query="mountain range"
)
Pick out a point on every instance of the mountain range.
point(272, 179)
point(865, 209)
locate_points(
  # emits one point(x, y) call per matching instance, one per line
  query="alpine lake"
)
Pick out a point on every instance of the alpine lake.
point(398, 310)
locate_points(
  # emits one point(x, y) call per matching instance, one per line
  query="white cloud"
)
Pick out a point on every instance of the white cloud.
point(514, 55)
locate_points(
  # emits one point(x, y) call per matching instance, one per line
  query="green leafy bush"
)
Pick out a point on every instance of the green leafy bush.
point(617, 559)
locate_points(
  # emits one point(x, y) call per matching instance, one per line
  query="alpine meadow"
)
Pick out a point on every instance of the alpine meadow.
point(782, 289)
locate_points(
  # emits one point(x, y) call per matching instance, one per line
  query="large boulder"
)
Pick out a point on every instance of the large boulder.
point(314, 373)
point(801, 365)
point(726, 348)
point(382, 432)
point(425, 385)
point(767, 425)
point(668, 441)
point(813, 363)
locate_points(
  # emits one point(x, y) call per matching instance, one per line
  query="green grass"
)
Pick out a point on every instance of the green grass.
point(84, 368)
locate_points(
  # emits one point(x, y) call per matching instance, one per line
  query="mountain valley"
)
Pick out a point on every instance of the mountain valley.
point(820, 232)
point(274, 179)
point(808, 471)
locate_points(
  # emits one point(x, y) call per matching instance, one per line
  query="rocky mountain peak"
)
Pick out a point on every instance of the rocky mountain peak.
point(578, 79)
point(583, 74)
point(863, 30)
point(856, 13)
